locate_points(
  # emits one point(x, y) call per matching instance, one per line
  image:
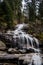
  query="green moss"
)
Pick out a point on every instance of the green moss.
point(39, 36)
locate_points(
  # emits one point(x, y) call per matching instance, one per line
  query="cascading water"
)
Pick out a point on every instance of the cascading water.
point(23, 40)
point(26, 41)
point(36, 59)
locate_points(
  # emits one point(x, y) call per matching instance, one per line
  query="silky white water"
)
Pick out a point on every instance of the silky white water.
point(36, 59)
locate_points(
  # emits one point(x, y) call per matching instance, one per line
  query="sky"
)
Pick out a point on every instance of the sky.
point(24, 3)
point(1, 0)
point(37, 3)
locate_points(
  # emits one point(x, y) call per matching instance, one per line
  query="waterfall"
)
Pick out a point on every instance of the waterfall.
point(23, 40)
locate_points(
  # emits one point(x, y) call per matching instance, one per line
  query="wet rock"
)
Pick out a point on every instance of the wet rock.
point(13, 50)
point(21, 59)
point(22, 51)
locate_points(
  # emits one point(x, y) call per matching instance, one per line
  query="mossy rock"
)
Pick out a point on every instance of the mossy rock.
point(39, 36)
point(2, 46)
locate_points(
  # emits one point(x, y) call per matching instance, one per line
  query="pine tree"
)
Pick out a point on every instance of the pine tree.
point(41, 10)
point(31, 10)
